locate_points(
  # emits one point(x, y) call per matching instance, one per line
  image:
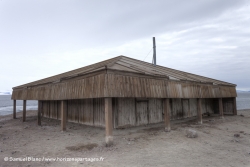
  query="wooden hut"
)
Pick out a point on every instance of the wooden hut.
point(123, 92)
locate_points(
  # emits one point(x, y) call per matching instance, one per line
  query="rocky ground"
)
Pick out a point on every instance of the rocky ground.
point(220, 142)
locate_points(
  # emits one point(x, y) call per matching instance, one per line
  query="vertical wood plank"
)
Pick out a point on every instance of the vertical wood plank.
point(108, 121)
point(221, 107)
point(199, 111)
point(24, 110)
point(234, 106)
point(39, 112)
point(63, 115)
point(14, 109)
point(166, 105)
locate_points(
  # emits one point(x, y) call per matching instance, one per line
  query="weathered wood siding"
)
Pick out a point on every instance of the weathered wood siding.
point(176, 109)
point(228, 107)
point(129, 112)
point(155, 110)
point(99, 112)
point(193, 107)
point(185, 108)
point(73, 111)
point(113, 85)
point(86, 113)
point(142, 112)
point(124, 112)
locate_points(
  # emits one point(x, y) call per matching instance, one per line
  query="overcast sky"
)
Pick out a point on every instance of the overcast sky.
point(42, 38)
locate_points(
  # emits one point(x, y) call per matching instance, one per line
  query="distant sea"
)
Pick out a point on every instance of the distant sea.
point(6, 104)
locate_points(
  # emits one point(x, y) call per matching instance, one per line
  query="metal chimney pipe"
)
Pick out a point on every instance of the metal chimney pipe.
point(154, 53)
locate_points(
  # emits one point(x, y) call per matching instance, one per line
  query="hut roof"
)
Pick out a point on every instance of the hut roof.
point(126, 64)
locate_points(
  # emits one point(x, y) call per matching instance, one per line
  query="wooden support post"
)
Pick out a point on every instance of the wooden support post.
point(189, 108)
point(167, 115)
point(14, 109)
point(221, 107)
point(39, 112)
point(234, 106)
point(108, 121)
point(199, 111)
point(24, 110)
point(63, 114)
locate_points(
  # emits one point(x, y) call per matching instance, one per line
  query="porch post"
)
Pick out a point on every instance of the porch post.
point(63, 114)
point(221, 108)
point(108, 121)
point(167, 115)
point(39, 112)
point(24, 110)
point(14, 109)
point(199, 111)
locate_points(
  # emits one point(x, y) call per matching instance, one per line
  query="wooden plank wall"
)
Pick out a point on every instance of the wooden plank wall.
point(228, 105)
point(124, 112)
point(73, 110)
point(129, 112)
point(142, 113)
point(155, 107)
point(185, 108)
point(114, 85)
point(86, 113)
point(193, 107)
point(99, 112)
point(176, 109)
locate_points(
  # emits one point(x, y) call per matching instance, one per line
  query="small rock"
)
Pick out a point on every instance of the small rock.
point(236, 135)
point(13, 152)
point(26, 127)
point(191, 133)
point(1, 151)
point(241, 131)
point(242, 115)
point(0, 126)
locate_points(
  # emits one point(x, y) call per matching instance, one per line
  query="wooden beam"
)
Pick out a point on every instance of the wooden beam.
point(24, 110)
point(40, 104)
point(166, 105)
point(199, 111)
point(14, 109)
point(221, 107)
point(234, 106)
point(63, 114)
point(108, 121)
